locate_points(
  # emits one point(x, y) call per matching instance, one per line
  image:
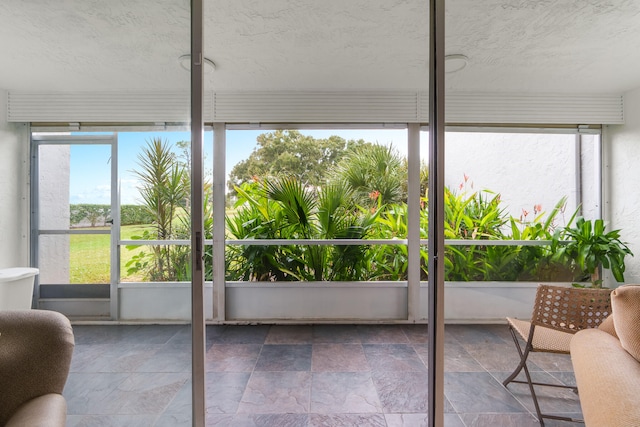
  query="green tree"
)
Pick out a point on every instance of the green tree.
point(290, 153)
point(164, 187)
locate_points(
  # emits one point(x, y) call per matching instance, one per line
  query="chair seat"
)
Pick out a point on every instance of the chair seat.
point(544, 339)
point(558, 313)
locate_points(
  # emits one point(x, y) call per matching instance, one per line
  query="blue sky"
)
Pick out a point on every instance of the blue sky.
point(90, 165)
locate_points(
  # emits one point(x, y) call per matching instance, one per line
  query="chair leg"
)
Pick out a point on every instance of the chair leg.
point(533, 395)
point(523, 365)
point(523, 357)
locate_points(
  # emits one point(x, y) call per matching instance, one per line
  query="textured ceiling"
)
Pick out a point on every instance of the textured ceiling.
point(549, 46)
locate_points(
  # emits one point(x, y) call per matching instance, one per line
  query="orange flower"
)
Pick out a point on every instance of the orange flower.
point(537, 208)
point(374, 195)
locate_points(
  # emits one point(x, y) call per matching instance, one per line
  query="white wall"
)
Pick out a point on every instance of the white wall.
point(622, 180)
point(54, 214)
point(14, 190)
point(527, 169)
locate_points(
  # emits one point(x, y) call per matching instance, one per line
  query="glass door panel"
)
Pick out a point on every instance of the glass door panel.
point(73, 222)
point(125, 73)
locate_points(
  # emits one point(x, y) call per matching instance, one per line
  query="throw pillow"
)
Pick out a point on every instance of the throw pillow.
point(625, 306)
point(608, 327)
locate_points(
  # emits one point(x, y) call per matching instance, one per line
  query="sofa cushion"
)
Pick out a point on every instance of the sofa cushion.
point(625, 305)
point(608, 326)
point(607, 378)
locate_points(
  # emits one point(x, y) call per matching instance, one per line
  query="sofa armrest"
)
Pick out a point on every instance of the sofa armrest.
point(36, 347)
point(608, 380)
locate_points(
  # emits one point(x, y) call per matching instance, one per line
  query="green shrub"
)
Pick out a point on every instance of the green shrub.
point(134, 215)
point(91, 214)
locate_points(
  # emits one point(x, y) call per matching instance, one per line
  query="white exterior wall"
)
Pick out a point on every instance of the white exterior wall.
point(54, 213)
point(621, 178)
point(590, 184)
point(526, 169)
point(14, 190)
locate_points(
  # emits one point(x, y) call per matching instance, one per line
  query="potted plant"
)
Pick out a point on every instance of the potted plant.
point(592, 248)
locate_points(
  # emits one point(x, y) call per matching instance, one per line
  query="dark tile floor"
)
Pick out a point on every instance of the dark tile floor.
point(321, 375)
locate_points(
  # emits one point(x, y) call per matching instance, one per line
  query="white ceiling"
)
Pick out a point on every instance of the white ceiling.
point(532, 46)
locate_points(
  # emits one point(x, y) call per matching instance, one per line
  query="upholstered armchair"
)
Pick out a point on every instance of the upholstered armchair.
point(36, 347)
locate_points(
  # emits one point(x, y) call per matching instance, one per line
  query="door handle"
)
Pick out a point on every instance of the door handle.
point(109, 221)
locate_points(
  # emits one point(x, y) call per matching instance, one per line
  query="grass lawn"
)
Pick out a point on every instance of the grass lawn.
point(90, 255)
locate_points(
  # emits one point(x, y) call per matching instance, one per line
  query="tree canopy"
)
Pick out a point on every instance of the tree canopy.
point(290, 153)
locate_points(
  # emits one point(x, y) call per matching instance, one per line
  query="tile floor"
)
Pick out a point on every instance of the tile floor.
point(320, 375)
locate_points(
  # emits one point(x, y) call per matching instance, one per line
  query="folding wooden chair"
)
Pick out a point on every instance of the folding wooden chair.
point(558, 313)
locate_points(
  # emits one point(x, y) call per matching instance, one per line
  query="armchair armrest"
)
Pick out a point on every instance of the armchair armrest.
point(36, 347)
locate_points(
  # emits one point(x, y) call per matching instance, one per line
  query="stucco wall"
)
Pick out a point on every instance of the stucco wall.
point(527, 169)
point(54, 214)
point(14, 190)
point(622, 177)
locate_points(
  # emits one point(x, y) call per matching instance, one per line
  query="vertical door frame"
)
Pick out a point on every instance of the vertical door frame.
point(197, 218)
point(435, 368)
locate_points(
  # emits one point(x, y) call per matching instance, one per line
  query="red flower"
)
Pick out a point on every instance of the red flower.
point(374, 195)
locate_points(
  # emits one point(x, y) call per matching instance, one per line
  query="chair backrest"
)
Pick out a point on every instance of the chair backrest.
point(570, 309)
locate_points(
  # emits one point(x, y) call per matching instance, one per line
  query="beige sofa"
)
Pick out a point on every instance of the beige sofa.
point(36, 347)
point(606, 362)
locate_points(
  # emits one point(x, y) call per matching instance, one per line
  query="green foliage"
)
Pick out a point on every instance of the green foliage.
point(164, 189)
point(591, 248)
point(476, 216)
point(373, 172)
point(94, 214)
point(282, 208)
point(479, 217)
point(134, 215)
point(363, 198)
point(285, 209)
point(389, 262)
point(290, 153)
point(97, 214)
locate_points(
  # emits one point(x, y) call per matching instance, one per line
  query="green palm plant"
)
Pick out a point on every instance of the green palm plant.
point(283, 208)
point(296, 218)
point(373, 169)
point(257, 217)
point(164, 189)
point(337, 219)
point(592, 248)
